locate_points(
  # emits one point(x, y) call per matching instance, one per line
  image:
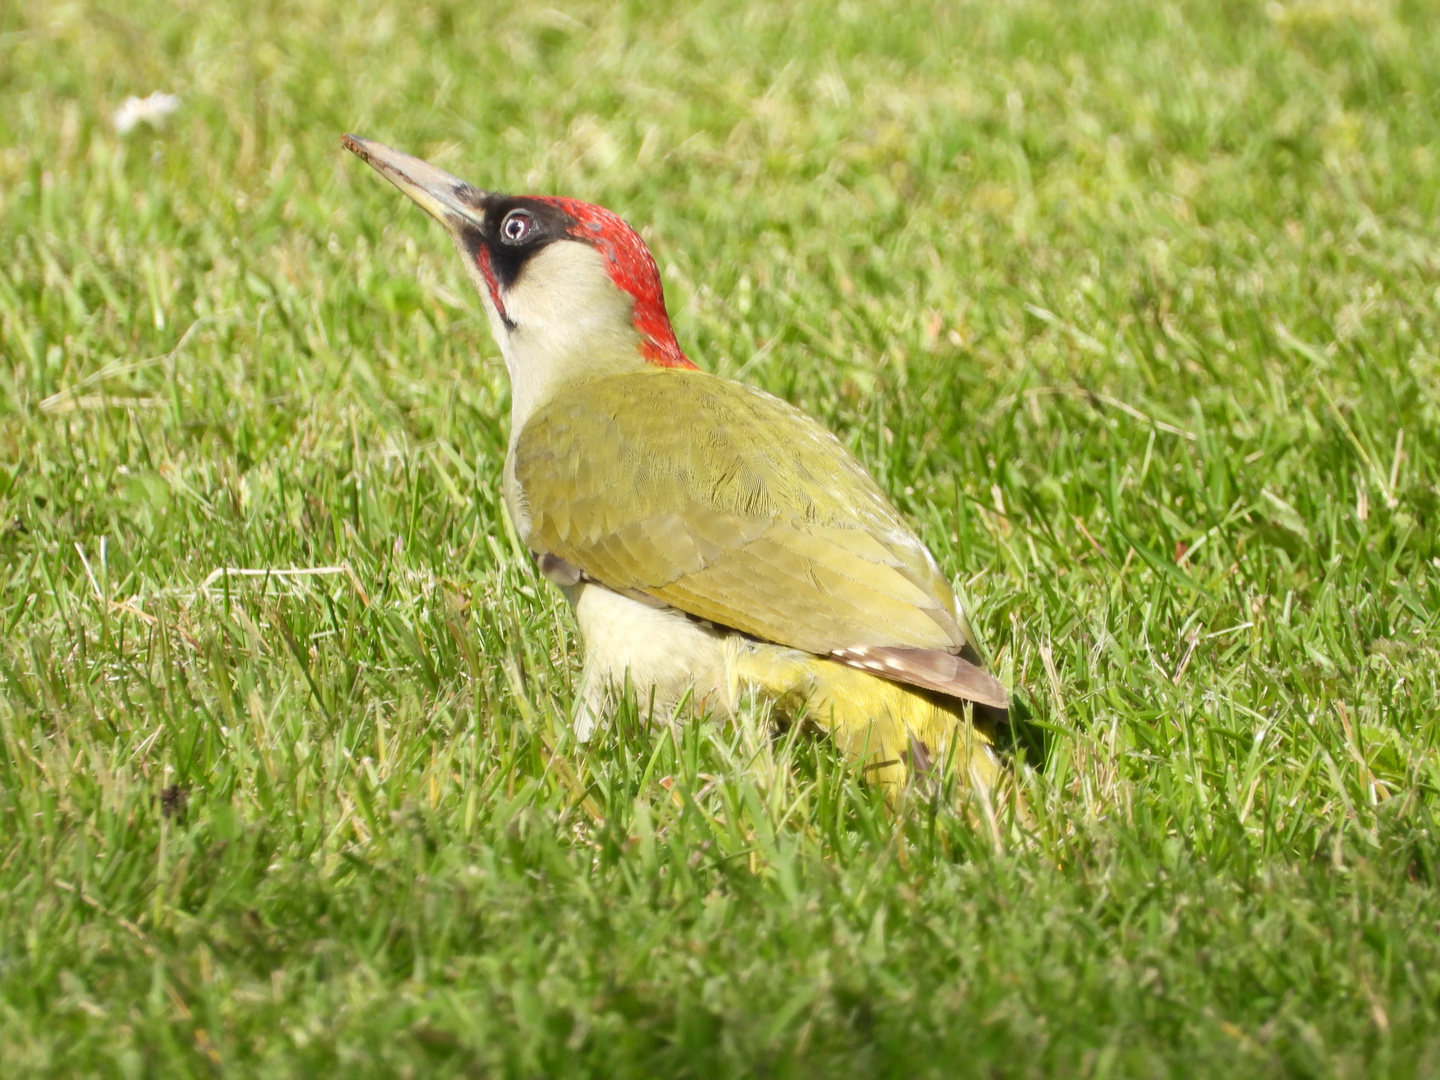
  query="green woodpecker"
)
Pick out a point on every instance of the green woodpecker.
point(712, 539)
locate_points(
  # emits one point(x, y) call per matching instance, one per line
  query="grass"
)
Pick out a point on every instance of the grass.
point(1131, 307)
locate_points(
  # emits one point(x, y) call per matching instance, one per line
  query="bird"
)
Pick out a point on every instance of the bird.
point(715, 543)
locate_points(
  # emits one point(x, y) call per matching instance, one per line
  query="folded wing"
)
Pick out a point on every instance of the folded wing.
point(731, 505)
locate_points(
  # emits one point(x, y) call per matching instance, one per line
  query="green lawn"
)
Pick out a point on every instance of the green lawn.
point(1131, 307)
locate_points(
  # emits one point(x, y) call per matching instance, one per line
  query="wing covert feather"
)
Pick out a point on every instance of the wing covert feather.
point(743, 510)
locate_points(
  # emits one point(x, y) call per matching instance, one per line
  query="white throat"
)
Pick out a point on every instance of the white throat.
point(571, 323)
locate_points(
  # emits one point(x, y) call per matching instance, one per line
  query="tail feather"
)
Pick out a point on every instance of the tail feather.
point(896, 729)
point(934, 669)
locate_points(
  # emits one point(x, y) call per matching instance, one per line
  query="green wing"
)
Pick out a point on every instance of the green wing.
point(731, 505)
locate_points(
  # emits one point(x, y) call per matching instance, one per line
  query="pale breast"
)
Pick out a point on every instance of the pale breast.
point(652, 646)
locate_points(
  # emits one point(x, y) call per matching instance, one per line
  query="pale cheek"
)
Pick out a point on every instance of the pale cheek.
point(566, 286)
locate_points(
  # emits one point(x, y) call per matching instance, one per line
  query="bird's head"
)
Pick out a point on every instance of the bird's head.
point(571, 291)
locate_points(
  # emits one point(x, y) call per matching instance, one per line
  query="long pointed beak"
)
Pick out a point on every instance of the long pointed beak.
point(448, 199)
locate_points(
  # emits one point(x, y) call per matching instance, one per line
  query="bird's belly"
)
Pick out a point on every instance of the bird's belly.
point(664, 654)
point(655, 648)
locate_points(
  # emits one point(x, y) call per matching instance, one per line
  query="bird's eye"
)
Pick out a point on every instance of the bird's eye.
point(517, 225)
